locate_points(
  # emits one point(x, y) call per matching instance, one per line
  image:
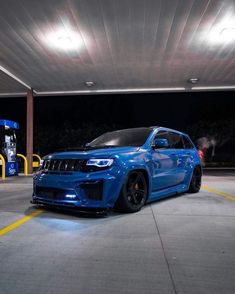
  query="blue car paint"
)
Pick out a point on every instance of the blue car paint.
point(169, 172)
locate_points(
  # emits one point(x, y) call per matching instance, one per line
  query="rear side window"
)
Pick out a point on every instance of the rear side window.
point(187, 143)
point(176, 141)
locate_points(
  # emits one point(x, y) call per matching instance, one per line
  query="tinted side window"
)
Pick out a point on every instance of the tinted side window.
point(187, 143)
point(162, 135)
point(176, 141)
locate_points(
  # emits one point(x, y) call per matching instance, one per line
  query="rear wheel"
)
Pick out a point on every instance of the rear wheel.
point(133, 194)
point(196, 181)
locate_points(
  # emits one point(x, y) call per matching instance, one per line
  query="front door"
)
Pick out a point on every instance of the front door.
point(164, 161)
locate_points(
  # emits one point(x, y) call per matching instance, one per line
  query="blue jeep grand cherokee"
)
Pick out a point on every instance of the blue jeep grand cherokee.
point(122, 169)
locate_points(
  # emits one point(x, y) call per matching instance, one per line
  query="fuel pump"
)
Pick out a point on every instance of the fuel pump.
point(8, 146)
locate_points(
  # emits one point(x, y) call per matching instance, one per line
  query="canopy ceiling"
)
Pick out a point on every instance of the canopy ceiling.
point(56, 46)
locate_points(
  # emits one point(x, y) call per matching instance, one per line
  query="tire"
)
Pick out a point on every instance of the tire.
point(196, 180)
point(133, 194)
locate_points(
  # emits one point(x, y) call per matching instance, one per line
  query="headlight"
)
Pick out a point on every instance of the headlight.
point(99, 162)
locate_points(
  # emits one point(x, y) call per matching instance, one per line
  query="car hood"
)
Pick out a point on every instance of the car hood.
point(94, 153)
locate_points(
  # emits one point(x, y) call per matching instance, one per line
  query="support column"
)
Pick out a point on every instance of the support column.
point(29, 135)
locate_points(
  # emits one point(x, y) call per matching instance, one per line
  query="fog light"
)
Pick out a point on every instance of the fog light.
point(70, 196)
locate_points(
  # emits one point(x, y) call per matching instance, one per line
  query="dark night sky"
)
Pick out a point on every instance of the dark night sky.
point(175, 110)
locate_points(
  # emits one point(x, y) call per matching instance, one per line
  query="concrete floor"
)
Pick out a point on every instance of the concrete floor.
point(183, 244)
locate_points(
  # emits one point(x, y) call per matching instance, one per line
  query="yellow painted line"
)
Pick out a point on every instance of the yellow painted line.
point(20, 222)
point(225, 195)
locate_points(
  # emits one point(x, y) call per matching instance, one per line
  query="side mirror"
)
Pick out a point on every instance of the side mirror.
point(161, 143)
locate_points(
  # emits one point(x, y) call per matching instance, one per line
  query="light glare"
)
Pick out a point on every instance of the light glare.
point(224, 31)
point(228, 34)
point(64, 40)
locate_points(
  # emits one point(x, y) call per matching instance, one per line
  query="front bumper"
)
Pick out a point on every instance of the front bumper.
point(97, 190)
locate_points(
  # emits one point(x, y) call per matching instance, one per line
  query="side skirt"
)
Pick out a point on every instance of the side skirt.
point(167, 192)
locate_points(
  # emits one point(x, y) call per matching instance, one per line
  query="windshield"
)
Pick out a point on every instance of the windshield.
point(129, 137)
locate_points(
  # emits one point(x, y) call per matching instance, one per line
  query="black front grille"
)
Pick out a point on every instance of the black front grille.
point(64, 165)
point(52, 193)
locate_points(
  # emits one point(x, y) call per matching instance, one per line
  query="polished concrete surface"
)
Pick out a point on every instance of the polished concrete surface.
point(183, 244)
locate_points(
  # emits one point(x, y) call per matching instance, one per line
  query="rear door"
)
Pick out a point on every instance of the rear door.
point(178, 151)
point(188, 155)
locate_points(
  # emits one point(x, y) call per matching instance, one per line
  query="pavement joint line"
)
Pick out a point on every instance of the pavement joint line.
point(225, 195)
point(194, 215)
point(164, 252)
point(20, 222)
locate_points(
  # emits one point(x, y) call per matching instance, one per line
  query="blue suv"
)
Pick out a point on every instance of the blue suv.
point(123, 169)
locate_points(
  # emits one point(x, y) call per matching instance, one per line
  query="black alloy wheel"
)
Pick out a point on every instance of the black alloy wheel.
point(196, 181)
point(134, 193)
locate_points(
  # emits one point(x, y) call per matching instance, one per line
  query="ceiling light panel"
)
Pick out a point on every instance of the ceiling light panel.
point(224, 31)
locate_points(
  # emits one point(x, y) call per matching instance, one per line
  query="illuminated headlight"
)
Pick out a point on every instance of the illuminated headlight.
point(41, 163)
point(100, 162)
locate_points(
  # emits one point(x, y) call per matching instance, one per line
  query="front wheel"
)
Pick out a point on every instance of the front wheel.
point(196, 181)
point(133, 194)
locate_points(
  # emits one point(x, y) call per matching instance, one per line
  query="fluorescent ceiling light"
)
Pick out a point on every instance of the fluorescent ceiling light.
point(89, 84)
point(65, 40)
point(223, 31)
point(193, 80)
point(112, 91)
point(7, 72)
point(228, 34)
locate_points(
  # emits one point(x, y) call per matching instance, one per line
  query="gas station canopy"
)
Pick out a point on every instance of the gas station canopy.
point(97, 46)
